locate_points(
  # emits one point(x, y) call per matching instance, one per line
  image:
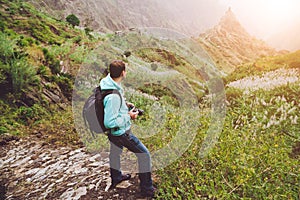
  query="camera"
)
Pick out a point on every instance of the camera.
point(140, 111)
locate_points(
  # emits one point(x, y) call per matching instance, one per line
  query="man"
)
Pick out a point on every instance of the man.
point(117, 118)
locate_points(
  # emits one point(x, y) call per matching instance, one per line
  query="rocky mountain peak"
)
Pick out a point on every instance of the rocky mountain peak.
point(230, 45)
point(230, 23)
point(229, 18)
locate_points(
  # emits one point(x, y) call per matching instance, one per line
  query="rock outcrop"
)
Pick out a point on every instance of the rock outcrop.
point(229, 44)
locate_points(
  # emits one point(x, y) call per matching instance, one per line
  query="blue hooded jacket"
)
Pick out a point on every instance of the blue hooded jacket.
point(114, 116)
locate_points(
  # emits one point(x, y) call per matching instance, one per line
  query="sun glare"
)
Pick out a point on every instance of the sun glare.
point(269, 11)
point(282, 10)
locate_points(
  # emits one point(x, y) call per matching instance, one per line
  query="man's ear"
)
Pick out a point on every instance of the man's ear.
point(123, 73)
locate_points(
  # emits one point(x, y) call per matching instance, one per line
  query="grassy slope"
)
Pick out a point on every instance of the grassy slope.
point(257, 154)
point(39, 43)
point(262, 65)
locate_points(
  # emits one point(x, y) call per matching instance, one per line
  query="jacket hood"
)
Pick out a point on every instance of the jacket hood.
point(108, 83)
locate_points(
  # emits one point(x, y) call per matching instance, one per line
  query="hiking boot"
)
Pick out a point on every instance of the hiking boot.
point(123, 178)
point(149, 193)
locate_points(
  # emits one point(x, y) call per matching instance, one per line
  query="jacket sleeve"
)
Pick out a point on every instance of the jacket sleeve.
point(113, 118)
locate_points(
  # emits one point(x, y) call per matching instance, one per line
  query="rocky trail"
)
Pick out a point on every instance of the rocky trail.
point(33, 169)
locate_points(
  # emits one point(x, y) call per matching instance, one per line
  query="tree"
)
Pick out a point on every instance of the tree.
point(127, 54)
point(73, 20)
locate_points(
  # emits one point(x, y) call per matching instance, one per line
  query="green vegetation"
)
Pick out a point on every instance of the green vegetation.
point(292, 60)
point(265, 64)
point(163, 94)
point(73, 20)
point(169, 59)
point(16, 72)
point(39, 60)
point(256, 156)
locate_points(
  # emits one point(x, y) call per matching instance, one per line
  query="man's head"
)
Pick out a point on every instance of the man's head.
point(117, 68)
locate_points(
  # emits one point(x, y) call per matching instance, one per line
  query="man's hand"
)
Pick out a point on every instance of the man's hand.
point(133, 114)
point(130, 105)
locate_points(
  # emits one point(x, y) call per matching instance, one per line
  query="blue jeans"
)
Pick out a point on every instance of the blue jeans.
point(133, 144)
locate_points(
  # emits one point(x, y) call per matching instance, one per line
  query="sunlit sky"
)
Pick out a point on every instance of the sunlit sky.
point(263, 18)
point(275, 21)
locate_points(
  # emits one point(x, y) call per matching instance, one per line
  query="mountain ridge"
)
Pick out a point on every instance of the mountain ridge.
point(230, 45)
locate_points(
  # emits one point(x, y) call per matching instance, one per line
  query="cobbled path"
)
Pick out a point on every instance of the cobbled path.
point(33, 169)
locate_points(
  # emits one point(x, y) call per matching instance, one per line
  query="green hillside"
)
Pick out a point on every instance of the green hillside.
point(254, 156)
point(265, 64)
point(34, 50)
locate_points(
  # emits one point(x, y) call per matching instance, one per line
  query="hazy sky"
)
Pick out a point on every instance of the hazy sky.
point(275, 21)
point(264, 18)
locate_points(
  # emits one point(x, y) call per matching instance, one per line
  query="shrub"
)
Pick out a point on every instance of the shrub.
point(51, 61)
point(16, 73)
point(6, 48)
point(22, 75)
point(27, 115)
point(154, 66)
point(127, 53)
point(73, 20)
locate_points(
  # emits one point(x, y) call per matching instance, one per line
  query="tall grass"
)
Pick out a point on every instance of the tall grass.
point(253, 157)
point(20, 75)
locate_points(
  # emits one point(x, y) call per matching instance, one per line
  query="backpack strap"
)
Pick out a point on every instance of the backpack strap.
point(105, 93)
point(110, 91)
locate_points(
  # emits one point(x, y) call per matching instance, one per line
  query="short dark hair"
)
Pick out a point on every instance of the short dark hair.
point(116, 68)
